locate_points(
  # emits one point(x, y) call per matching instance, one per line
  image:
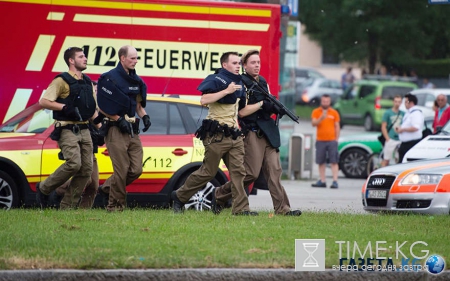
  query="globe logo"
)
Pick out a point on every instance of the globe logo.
point(435, 264)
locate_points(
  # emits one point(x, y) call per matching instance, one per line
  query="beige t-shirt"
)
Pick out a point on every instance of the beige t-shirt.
point(224, 113)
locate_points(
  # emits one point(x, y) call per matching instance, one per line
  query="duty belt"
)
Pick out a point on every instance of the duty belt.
point(76, 128)
point(134, 124)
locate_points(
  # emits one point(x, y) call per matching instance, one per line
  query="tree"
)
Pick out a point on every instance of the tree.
point(393, 32)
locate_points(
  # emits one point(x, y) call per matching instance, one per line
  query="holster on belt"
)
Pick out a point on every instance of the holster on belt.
point(103, 131)
point(135, 126)
point(56, 134)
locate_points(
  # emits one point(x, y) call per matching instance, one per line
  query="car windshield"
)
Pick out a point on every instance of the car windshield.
point(34, 119)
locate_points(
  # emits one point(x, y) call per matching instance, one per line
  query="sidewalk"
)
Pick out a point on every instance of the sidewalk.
point(213, 274)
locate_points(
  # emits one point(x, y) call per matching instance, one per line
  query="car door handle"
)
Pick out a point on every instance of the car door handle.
point(105, 152)
point(179, 152)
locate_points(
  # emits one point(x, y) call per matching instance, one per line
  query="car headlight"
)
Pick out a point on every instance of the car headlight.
point(421, 179)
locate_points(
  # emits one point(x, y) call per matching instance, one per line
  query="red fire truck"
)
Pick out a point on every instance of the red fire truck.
point(179, 42)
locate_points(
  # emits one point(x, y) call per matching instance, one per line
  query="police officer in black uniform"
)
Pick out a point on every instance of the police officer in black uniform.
point(121, 95)
point(71, 97)
point(262, 140)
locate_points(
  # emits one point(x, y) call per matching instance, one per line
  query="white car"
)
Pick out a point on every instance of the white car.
point(426, 98)
point(431, 147)
point(310, 91)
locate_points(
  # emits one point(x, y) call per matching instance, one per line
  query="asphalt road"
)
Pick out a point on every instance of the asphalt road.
point(347, 198)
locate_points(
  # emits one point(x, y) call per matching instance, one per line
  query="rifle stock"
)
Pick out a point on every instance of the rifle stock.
point(276, 102)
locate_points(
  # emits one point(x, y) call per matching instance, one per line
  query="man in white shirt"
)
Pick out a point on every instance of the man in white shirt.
point(410, 132)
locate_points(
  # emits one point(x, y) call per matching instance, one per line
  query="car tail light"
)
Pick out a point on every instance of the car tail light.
point(305, 97)
point(378, 103)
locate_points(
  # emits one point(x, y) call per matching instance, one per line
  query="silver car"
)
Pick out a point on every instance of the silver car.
point(418, 187)
point(310, 91)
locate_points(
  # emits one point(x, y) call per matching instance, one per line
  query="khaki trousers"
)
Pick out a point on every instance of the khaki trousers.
point(89, 192)
point(232, 152)
point(126, 156)
point(259, 153)
point(77, 151)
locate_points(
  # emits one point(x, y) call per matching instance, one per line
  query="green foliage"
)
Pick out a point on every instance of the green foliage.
point(393, 32)
point(95, 239)
point(432, 68)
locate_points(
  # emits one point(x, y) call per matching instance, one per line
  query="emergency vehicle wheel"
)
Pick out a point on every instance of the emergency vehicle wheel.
point(200, 201)
point(9, 197)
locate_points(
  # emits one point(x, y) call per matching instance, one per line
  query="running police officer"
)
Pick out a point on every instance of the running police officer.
point(71, 97)
point(221, 137)
point(262, 140)
point(121, 95)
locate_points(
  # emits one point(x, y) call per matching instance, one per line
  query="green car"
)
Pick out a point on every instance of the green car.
point(354, 153)
point(365, 102)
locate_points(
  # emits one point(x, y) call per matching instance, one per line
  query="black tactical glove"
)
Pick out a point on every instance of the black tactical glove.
point(267, 106)
point(70, 111)
point(124, 125)
point(147, 123)
point(99, 118)
point(278, 110)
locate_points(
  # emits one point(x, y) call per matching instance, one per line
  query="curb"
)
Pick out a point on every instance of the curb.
point(214, 274)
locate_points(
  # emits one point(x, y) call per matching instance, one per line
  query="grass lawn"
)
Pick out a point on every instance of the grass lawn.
point(304, 111)
point(139, 238)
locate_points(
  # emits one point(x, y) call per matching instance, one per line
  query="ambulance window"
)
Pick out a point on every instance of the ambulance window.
point(176, 123)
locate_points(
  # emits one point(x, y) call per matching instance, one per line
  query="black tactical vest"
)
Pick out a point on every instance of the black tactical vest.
point(118, 90)
point(219, 81)
point(81, 96)
point(260, 118)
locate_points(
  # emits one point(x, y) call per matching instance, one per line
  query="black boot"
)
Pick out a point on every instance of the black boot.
point(247, 213)
point(104, 195)
point(41, 198)
point(178, 206)
point(294, 213)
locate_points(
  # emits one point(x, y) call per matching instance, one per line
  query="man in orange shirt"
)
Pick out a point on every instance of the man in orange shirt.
point(326, 119)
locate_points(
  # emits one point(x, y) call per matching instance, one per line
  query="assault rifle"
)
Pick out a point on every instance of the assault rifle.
point(282, 109)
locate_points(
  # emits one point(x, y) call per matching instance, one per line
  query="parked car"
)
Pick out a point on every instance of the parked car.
point(419, 187)
point(171, 153)
point(356, 152)
point(310, 91)
point(303, 74)
point(431, 147)
point(365, 102)
point(291, 77)
point(426, 98)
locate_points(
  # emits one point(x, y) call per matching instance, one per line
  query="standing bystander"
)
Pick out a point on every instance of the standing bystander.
point(410, 132)
point(326, 119)
point(442, 113)
point(392, 119)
